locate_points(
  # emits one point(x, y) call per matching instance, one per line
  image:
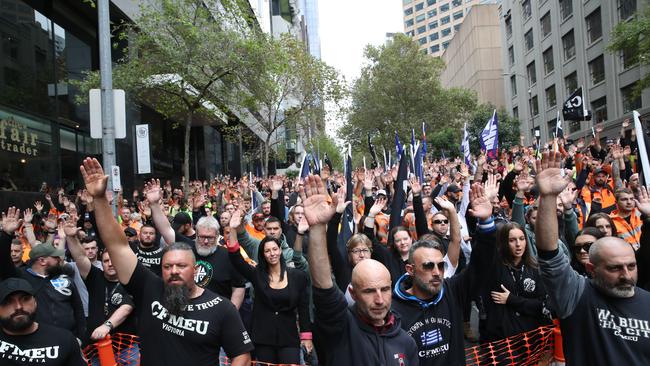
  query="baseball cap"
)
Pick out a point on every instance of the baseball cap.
point(258, 216)
point(453, 188)
point(600, 170)
point(129, 231)
point(45, 250)
point(181, 218)
point(381, 191)
point(13, 284)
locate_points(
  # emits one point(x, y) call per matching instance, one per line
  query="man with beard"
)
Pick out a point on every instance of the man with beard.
point(604, 320)
point(24, 341)
point(627, 218)
point(148, 249)
point(179, 322)
point(213, 269)
point(60, 303)
point(600, 191)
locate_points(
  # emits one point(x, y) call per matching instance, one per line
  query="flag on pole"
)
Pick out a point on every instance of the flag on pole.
point(347, 219)
point(574, 108)
point(373, 153)
point(489, 138)
point(642, 141)
point(385, 159)
point(304, 167)
point(412, 141)
point(418, 168)
point(464, 146)
point(400, 188)
point(315, 159)
point(398, 146)
point(424, 142)
point(559, 131)
point(327, 161)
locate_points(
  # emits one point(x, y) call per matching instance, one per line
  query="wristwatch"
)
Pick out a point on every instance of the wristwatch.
point(109, 324)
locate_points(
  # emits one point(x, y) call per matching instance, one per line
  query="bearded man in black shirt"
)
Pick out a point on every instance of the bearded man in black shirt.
point(179, 322)
point(24, 341)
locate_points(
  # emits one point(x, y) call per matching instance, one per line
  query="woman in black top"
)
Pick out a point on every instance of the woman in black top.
point(280, 292)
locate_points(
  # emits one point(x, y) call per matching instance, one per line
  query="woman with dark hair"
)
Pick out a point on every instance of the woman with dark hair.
point(280, 293)
point(602, 222)
point(580, 250)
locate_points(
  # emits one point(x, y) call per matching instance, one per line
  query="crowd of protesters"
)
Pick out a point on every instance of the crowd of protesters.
point(261, 268)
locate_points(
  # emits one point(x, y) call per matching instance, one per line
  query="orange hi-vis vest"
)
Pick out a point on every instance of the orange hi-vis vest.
point(381, 225)
point(629, 231)
point(605, 194)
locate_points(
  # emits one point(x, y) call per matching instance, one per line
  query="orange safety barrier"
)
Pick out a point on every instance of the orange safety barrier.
point(536, 347)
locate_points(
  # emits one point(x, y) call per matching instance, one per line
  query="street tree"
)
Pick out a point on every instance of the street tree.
point(185, 59)
point(398, 89)
point(630, 38)
point(508, 128)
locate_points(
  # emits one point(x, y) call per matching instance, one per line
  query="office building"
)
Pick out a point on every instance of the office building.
point(553, 47)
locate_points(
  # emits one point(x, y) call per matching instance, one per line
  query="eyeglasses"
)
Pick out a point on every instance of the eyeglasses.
point(584, 246)
point(206, 238)
point(438, 222)
point(428, 266)
point(358, 251)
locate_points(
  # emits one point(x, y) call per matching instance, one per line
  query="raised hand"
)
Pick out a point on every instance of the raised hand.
point(94, 177)
point(550, 179)
point(491, 186)
point(524, 183)
point(340, 199)
point(643, 203)
point(319, 208)
point(70, 226)
point(11, 220)
point(416, 187)
point(445, 204)
point(28, 216)
point(481, 208)
point(378, 206)
point(367, 181)
point(276, 184)
point(626, 123)
point(303, 225)
point(236, 219)
point(568, 197)
point(38, 205)
point(152, 191)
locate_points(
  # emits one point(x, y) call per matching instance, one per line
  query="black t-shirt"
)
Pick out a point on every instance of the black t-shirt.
point(215, 273)
point(104, 297)
point(150, 257)
point(208, 323)
point(48, 345)
point(180, 238)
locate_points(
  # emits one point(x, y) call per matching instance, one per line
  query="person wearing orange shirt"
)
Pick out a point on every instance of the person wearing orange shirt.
point(627, 218)
point(256, 228)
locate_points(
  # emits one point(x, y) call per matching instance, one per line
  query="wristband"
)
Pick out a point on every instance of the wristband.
point(109, 324)
point(305, 336)
point(301, 234)
point(234, 248)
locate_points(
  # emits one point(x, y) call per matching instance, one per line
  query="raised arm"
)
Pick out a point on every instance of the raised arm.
point(10, 223)
point(153, 193)
point(453, 252)
point(112, 235)
point(74, 246)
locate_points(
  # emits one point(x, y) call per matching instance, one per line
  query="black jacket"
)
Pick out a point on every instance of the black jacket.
point(347, 340)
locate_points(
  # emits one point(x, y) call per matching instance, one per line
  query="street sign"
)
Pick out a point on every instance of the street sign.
point(119, 113)
point(115, 178)
point(142, 149)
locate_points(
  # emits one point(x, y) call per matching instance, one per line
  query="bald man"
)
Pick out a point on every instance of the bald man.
point(368, 332)
point(605, 320)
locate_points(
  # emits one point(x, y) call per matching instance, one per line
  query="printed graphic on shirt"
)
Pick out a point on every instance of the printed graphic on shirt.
point(431, 337)
point(62, 285)
point(529, 285)
point(9, 351)
point(431, 340)
point(204, 273)
point(177, 324)
point(629, 329)
point(400, 357)
point(117, 299)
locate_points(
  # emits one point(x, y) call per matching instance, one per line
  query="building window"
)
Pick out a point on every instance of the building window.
point(457, 27)
point(574, 126)
point(597, 70)
point(435, 48)
point(433, 36)
point(629, 57)
point(508, 27)
point(422, 40)
point(406, 2)
point(599, 108)
point(445, 32)
point(445, 20)
point(515, 112)
point(420, 18)
point(419, 6)
point(549, 65)
point(408, 11)
point(532, 75)
point(433, 25)
point(546, 24)
point(550, 127)
point(526, 9)
point(569, 45)
point(410, 33)
point(457, 15)
point(432, 13)
point(513, 85)
point(511, 55)
point(445, 45)
point(408, 23)
point(534, 107)
point(571, 83)
point(566, 8)
point(551, 99)
point(422, 29)
point(630, 102)
point(594, 26)
point(444, 8)
point(456, 3)
point(528, 38)
point(626, 9)
point(430, 2)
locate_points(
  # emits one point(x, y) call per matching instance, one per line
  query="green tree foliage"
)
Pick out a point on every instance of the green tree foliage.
point(399, 88)
point(508, 128)
point(631, 38)
point(185, 59)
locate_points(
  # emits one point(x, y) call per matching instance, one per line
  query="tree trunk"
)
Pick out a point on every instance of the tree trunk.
point(186, 152)
point(266, 158)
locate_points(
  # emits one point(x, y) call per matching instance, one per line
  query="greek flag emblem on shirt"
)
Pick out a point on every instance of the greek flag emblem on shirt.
point(431, 337)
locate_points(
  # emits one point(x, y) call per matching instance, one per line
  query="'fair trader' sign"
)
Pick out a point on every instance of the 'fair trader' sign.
point(17, 138)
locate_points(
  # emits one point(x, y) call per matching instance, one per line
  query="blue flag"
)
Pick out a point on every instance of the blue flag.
point(304, 168)
point(315, 161)
point(464, 145)
point(489, 138)
point(424, 142)
point(412, 141)
point(418, 168)
point(398, 146)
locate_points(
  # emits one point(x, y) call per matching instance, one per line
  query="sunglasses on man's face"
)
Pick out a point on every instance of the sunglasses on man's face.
point(438, 222)
point(584, 246)
point(429, 266)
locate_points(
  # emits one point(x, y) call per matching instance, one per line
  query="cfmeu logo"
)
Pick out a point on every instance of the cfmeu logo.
point(400, 357)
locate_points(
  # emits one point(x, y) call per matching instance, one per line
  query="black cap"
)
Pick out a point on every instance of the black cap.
point(181, 218)
point(11, 285)
point(453, 188)
point(129, 231)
